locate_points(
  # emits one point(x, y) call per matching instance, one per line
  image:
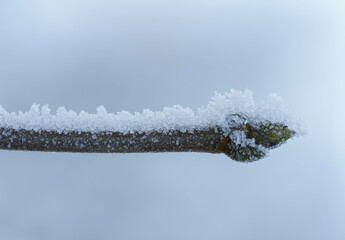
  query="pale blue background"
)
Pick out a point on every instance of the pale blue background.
point(150, 54)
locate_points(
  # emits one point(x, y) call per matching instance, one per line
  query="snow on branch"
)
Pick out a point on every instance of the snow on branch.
point(230, 123)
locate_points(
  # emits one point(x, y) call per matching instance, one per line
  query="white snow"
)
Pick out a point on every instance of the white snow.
point(220, 111)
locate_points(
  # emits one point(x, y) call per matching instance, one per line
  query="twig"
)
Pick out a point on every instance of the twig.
point(230, 124)
point(211, 140)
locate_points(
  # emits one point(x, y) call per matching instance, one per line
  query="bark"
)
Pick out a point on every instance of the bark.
point(110, 142)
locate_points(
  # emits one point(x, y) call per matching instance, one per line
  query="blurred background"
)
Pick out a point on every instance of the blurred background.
point(130, 55)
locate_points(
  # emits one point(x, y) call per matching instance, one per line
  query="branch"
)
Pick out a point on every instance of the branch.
point(211, 140)
point(215, 129)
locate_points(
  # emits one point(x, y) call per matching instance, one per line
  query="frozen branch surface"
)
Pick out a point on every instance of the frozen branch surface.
point(231, 123)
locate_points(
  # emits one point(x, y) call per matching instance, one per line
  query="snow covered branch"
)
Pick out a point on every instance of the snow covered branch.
point(229, 124)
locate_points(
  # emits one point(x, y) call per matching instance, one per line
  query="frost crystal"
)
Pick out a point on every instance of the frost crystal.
point(236, 105)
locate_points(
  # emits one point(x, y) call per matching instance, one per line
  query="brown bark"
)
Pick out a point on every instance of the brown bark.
point(111, 142)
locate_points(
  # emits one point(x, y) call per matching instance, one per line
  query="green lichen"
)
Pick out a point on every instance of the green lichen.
point(269, 135)
point(245, 154)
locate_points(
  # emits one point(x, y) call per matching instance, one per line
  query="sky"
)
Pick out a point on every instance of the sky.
point(131, 55)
